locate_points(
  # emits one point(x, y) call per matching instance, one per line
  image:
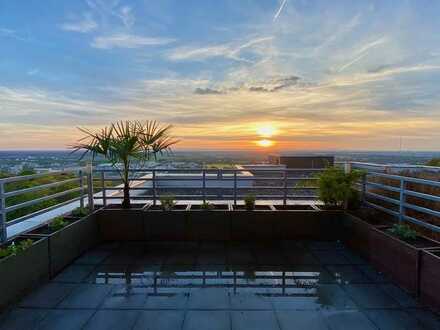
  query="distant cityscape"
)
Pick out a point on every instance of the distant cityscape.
point(15, 162)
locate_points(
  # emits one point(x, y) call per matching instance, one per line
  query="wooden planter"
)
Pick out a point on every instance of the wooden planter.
point(430, 278)
point(399, 259)
point(68, 243)
point(162, 225)
point(209, 225)
point(357, 233)
point(22, 272)
point(252, 225)
point(118, 224)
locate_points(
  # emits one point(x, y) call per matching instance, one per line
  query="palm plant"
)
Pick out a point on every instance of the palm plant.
point(124, 143)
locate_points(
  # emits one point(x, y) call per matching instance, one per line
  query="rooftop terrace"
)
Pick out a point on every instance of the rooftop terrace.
point(217, 285)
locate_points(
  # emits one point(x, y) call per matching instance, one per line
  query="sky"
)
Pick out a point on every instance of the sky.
point(227, 74)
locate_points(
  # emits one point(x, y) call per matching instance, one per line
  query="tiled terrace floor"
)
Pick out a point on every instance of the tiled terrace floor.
point(285, 285)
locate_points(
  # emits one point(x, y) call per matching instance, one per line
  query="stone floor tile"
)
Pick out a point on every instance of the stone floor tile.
point(308, 320)
point(254, 320)
point(66, 319)
point(343, 320)
point(20, 319)
point(370, 296)
point(207, 320)
point(112, 320)
point(47, 296)
point(86, 296)
point(160, 320)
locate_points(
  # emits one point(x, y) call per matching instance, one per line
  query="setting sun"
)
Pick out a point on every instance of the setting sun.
point(265, 143)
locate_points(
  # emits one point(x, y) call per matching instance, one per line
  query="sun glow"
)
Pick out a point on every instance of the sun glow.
point(265, 143)
point(266, 131)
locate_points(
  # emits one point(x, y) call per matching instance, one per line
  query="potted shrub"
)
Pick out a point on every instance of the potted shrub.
point(167, 221)
point(209, 221)
point(249, 202)
point(396, 251)
point(125, 145)
point(69, 236)
point(430, 278)
point(24, 264)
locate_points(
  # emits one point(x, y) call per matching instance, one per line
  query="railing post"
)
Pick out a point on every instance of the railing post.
point(347, 167)
point(285, 188)
point(104, 190)
point(3, 226)
point(364, 188)
point(81, 186)
point(154, 187)
point(402, 199)
point(235, 187)
point(90, 186)
point(204, 185)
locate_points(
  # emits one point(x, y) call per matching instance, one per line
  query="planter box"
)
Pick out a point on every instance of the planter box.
point(162, 225)
point(252, 225)
point(118, 224)
point(22, 272)
point(68, 243)
point(308, 224)
point(212, 225)
point(357, 233)
point(430, 279)
point(399, 259)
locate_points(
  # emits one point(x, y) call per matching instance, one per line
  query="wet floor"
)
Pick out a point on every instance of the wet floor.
point(214, 285)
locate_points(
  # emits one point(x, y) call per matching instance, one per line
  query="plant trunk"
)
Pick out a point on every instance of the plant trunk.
point(126, 201)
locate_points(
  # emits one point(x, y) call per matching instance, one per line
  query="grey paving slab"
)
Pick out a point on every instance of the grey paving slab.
point(65, 319)
point(331, 257)
point(108, 274)
point(74, 274)
point(47, 296)
point(254, 320)
point(125, 297)
point(20, 319)
point(112, 320)
point(402, 297)
point(343, 320)
point(373, 274)
point(393, 320)
point(160, 320)
point(86, 296)
point(347, 274)
point(93, 257)
point(209, 298)
point(249, 301)
point(308, 320)
point(370, 296)
point(166, 300)
point(207, 320)
point(426, 319)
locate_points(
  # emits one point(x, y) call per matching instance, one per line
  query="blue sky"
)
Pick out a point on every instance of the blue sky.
point(317, 74)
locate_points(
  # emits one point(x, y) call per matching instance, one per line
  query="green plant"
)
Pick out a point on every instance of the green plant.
point(403, 232)
point(207, 206)
point(80, 212)
point(13, 249)
point(123, 143)
point(434, 162)
point(167, 202)
point(249, 202)
point(336, 188)
point(57, 223)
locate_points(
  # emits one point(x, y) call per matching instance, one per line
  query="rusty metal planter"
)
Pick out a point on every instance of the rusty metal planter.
point(430, 278)
point(117, 224)
point(398, 259)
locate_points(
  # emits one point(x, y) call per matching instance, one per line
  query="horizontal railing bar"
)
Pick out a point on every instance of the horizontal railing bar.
point(41, 199)
point(421, 209)
point(406, 179)
point(40, 187)
point(381, 208)
point(34, 176)
point(422, 223)
point(39, 212)
point(177, 170)
point(386, 187)
point(384, 198)
point(422, 195)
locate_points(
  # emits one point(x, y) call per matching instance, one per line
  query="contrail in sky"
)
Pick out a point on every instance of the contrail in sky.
point(283, 4)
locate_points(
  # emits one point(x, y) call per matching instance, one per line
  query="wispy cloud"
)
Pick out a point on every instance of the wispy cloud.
point(84, 25)
point(280, 9)
point(125, 40)
point(229, 50)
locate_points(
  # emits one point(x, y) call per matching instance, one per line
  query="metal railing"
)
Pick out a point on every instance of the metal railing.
point(192, 184)
point(80, 179)
point(389, 193)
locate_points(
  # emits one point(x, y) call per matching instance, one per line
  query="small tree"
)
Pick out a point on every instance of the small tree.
point(124, 143)
point(336, 187)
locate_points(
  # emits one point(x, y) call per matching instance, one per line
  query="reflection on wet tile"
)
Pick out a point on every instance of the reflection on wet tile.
point(254, 320)
point(309, 320)
point(207, 320)
point(250, 300)
point(346, 274)
point(160, 320)
point(125, 297)
point(209, 298)
point(109, 274)
point(166, 300)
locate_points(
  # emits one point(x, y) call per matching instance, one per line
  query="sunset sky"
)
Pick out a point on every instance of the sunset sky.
point(228, 74)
